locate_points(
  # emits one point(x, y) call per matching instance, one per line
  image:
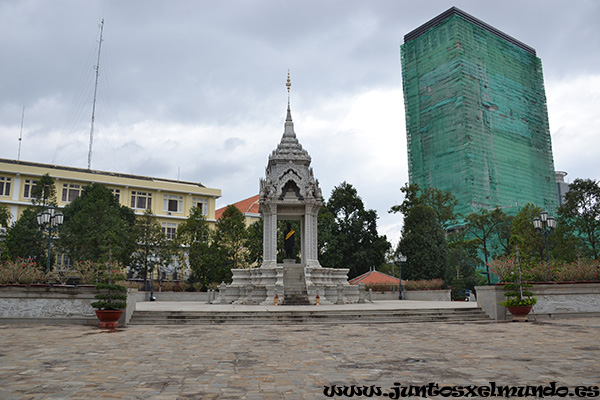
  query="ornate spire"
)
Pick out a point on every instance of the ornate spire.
point(288, 132)
point(288, 84)
point(289, 148)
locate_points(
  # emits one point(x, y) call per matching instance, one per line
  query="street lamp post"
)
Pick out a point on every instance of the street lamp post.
point(545, 225)
point(400, 258)
point(49, 221)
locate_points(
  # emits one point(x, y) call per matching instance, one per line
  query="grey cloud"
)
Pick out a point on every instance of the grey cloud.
point(223, 65)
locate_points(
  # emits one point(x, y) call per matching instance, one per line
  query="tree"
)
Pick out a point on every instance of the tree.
point(581, 214)
point(348, 236)
point(194, 236)
point(503, 232)
point(423, 243)
point(463, 262)
point(4, 216)
point(97, 227)
point(483, 226)
point(254, 242)
point(43, 192)
point(564, 244)
point(230, 239)
point(441, 202)
point(530, 243)
point(150, 241)
point(25, 239)
point(4, 225)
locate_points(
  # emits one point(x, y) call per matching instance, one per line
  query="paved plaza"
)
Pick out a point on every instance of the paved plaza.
point(289, 361)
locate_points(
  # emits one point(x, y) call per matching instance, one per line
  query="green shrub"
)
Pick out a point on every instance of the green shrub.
point(114, 295)
point(584, 270)
point(424, 284)
point(516, 292)
point(21, 272)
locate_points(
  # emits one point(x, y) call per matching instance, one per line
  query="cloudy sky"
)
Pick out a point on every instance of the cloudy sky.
point(196, 89)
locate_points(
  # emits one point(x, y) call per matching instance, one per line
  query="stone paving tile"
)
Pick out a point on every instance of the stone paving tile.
point(291, 362)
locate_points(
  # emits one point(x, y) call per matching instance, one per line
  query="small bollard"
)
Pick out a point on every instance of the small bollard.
point(361, 292)
point(221, 298)
point(370, 295)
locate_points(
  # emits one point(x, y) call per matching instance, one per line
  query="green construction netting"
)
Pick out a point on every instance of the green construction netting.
point(476, 119)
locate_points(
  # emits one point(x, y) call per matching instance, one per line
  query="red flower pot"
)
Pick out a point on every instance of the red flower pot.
point(519, 312)
point(109, 319)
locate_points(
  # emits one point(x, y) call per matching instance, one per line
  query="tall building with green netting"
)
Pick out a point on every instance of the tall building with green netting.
point(476, 117)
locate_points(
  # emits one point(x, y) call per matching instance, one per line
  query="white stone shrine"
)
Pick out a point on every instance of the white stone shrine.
point(289, 192)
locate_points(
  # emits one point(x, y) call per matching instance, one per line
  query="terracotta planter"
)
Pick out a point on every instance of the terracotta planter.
point(109, 319)
point(519, 312)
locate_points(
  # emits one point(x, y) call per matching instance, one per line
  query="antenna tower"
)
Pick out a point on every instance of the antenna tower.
point(21, 134)
point(97, 68)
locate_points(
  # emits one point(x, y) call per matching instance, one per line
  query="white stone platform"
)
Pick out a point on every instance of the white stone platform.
point(376, 305)
point(260, 285)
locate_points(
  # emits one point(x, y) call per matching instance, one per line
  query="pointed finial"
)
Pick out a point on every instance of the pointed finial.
point(288, 83)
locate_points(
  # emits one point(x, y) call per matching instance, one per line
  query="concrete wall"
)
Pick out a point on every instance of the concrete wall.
point(418, 295)
point(174, 296)
point(54, 305)
point(553, 300)
point(427, 295)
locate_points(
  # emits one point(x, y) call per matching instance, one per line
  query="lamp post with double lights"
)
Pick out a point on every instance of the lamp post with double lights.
point(545, 224)
point(49, 221)
point(400, 258)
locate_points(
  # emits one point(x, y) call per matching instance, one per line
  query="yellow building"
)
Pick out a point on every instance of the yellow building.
point(169, 200)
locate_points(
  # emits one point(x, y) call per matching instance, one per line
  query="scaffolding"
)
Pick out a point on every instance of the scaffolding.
point(476, 118)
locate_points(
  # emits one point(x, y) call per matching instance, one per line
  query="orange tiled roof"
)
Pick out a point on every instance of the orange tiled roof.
point(249, 205)
point(374, 278)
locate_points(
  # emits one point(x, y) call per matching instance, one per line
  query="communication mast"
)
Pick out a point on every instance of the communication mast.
point(97, 68)
point(21, 134)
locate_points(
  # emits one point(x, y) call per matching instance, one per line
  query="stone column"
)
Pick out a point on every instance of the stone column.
point(310, 234)
point(269, 212)
point(303, 240)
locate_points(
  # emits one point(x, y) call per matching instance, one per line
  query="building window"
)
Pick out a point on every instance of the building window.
point(63, 262)
point(141, 200)
point(169, 230)
point(116, 193)
point(27, 188)
point(70, 192)
point(173, 203)
point(201, 203)
point(4, 186)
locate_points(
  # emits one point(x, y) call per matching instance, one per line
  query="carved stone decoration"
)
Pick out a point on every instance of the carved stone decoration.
point(289, 191)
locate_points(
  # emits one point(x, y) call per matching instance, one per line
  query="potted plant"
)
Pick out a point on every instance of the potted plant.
point(519, 300)
point(112, 300)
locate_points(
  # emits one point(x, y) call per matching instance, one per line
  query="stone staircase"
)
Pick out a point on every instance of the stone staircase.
point(453, 315)
point(294, 283)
